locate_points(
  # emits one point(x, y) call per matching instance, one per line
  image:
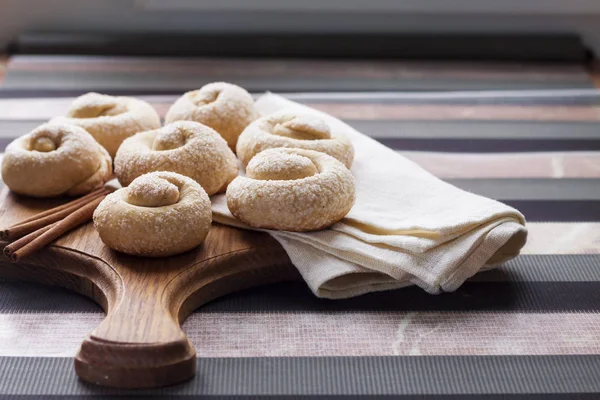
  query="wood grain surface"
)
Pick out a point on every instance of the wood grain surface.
point(140, 342)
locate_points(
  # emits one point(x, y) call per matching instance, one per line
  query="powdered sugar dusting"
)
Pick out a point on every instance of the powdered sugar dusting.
point(205, 156)
point(155, 230)
point(72, 163)
point(300, 126)
point(151, 190)
point(299, 204)
point(292, 130)
point(276, 165)
point(110, 120)
point(226, 108)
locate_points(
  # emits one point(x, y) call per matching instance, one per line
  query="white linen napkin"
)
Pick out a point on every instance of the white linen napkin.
point(407, 226)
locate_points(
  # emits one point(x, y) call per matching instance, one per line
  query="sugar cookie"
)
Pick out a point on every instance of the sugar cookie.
point(226, 108)
point(110, 120)
point(293, 130)
point(185, 147)
point(53, 160)
point(159, 214)
point(293, 190)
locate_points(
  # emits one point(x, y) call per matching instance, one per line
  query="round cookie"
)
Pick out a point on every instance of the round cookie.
point(293, 130)
point(226, 108)
point(110, 120)
point(54, 160)
point(292, 190)
point(159, 214)
point(185, 147)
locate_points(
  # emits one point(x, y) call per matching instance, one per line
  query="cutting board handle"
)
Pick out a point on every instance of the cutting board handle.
point(138, 344)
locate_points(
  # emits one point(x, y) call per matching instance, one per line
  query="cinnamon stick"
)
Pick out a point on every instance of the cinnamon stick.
point(72, 221)
point(80, 200)
point(11, 248)
point(33, 224)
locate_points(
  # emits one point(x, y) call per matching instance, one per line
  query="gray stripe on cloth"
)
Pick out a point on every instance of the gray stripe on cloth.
point(546, 268)
point(489, 296)
point(461, 129)
point(174, 82)
point(490, 145)
point(538, 283)
point(532, 188)
point(570, 211)
point(521, 297)
point(21, 298)
point(545, 396)
point(535, 98)
point(387, 129)
point(323, 376)
point(541, 97)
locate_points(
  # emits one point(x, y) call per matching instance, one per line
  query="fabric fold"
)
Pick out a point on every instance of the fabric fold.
point(407, 226)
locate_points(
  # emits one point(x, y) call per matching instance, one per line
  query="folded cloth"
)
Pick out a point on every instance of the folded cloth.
point(407, 226)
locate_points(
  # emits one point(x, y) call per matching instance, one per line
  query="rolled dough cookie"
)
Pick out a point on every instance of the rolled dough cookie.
point(293, 190)
point(159, 214)
point(226, 108)
point(293, 130)
point(53, 160)
point(110, 120)
point(185, 147)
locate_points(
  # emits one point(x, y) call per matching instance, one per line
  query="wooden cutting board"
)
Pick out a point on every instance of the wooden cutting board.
point(140, 343)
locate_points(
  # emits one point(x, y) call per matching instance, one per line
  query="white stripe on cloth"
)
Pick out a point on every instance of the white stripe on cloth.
point(585, 164)
point(278, 334)
point(46, 108)
point(563, 238)
point(506, 165)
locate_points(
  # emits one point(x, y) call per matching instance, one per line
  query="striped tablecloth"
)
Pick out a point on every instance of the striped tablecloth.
point(528, 329)
point(31, 74)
